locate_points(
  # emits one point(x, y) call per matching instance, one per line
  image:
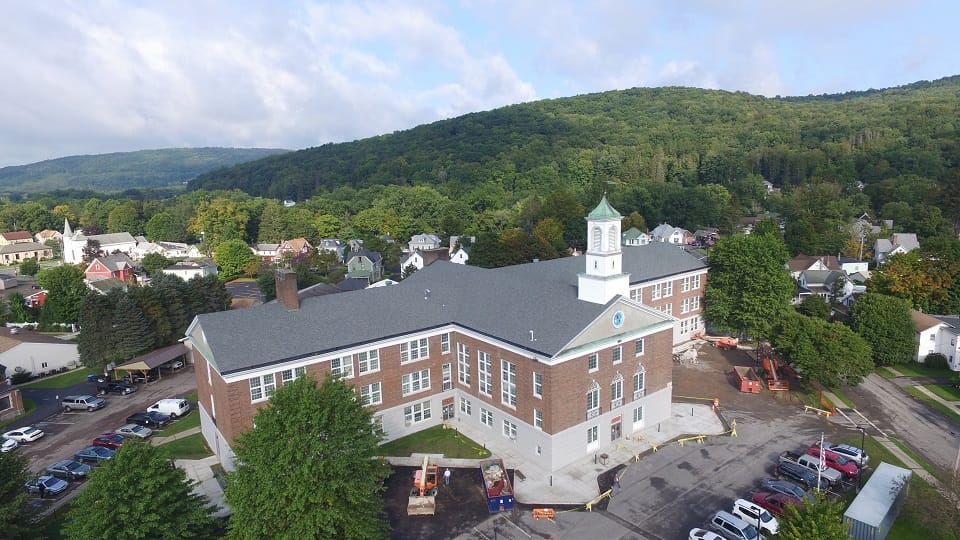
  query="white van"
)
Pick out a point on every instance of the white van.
point(756, 515)
point(175, 408)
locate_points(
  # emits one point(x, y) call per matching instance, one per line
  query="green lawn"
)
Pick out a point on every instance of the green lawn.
point(950, 412)
point(948, 392)
point(846, 401)
point(63, 380)
point(191, 420)
point(192, 447)
point(435, 440)
point(28, 405)
point(913, 369)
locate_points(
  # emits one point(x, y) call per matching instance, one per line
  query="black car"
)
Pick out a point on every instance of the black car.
point(151, 420)
point(139, 377)
point(114, 387)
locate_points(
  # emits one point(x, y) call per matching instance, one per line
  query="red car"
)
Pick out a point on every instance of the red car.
point(112, 441)
point(836, 461)
point(775, 502)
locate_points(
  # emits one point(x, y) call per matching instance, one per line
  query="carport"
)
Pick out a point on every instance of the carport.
point(153, 359)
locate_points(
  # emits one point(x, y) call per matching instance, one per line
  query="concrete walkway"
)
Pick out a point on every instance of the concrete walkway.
point(157, 441)
point(952, 405)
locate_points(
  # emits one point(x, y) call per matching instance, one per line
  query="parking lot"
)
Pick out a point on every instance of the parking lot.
point(68, 432)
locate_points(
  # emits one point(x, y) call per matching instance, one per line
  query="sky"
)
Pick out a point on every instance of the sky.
point(101, 76)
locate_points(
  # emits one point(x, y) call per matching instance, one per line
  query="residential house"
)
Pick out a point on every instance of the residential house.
point(297, 247)
point(116, 265)
point(671, 235)
point(16, 253)
point(40, 354)
point(179, 250)
point(768, 186)
point(706, 237)
point(854, 266)
point(822, 283)
point(16, 237)
point(332, 245)
point(885, 248)
point(483, 350)
point(460, 255)
point(937, 334)
point(635, 237)
point(267, 252)
point(48, 234)
point(35, 299)
point(187, 270)
point(75, 242)
point(365, 264)
point(355, 244)
point(423, 242)
point(802, 263)
point(418, 259)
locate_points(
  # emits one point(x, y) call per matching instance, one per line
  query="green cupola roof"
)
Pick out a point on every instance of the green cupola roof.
point(604, 210)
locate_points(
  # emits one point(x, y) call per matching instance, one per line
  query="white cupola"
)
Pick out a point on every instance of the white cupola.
point(604, 277)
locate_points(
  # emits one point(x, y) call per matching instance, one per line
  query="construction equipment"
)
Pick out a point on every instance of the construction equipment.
point(747, 379)
point(773, 367)
point(423, 494)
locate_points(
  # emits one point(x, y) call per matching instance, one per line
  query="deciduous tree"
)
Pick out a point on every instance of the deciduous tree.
point(885, 323)
point(821, 519)
point(65, 293)
point(830, 353)
point(233, 256)
point(139, 494)
point(16, 521)
point(314, 449)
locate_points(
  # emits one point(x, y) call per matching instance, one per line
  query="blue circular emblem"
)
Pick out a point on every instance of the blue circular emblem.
point(618, 319)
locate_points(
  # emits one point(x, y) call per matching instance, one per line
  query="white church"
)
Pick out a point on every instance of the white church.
point(74, 242)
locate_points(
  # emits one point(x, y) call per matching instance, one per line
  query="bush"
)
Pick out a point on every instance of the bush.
point(21, 377)
point(936, 361)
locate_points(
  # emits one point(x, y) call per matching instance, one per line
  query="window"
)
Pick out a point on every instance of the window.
point(463, 364)
point(685, 284)
point(414, 350)
point(617, 354)
point(592, 437)
point(636, 295)
point(684, 326)
point(415, 382)
point(508, 383)
point(485, 372)
point(370, 394)
point(289, 375)
point(639, 346)
point(416, 413)
point(593, 362)
point(639, 384)
point(537, 385)
point(597, 235)
point(933, 337)
point(685, 305)
point(368, 361)
point(486, 417)
point(509, 430)
point(342, 366)
point(667, 308)
point(668, 289)
point(638, 417)
point(695, 323)
point(616, 392)
point(538, 419)
point(262, 387)
point(694, 303)
point(445, 343)
point(447, 370)
point(465, 406)
point(695, 282)
point(593, 400)
point(655, 292)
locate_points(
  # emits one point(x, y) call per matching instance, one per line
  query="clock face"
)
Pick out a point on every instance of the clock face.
point(618, 319)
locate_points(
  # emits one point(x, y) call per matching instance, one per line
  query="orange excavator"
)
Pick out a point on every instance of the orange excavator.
point(423, 494)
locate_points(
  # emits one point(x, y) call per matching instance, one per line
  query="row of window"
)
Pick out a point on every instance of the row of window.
point(263, 387)
point(664, 289)
point(593, 360)
point(616, 392)
point(487, 419)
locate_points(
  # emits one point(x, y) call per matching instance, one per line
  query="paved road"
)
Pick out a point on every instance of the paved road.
point(907, 419)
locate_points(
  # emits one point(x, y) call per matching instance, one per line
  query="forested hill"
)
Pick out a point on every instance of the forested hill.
point(686, 135)
point(123, 170)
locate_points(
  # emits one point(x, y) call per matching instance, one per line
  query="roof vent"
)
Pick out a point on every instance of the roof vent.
point(426, 294)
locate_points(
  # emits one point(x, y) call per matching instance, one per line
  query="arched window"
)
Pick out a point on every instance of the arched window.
point(593, 400)
point(639, 382)
point(616, 391)
point(612, 238)
point(596, 238)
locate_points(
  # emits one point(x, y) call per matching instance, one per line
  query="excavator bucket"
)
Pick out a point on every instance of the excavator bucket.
point(424, 505)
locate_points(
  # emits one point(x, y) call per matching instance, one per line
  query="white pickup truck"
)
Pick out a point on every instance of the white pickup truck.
point(813, 463)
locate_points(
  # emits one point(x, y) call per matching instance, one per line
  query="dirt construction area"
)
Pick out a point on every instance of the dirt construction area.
point(663, 495)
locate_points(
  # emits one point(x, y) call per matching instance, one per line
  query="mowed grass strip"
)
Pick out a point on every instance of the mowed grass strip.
point(436, 440)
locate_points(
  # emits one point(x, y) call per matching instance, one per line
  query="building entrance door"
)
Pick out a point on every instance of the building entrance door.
point(616, 431)
point(448, 411)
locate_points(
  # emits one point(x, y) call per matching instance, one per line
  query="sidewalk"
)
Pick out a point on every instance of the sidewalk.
point(952, 405)
point(157, 441)
point(199, 470)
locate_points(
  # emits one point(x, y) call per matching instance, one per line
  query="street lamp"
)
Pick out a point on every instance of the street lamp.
point(863, 436)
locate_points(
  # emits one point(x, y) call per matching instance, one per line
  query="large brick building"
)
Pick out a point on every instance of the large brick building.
point(557, 359)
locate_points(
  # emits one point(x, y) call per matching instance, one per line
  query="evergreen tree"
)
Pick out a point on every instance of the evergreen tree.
point(885, 323)
point(132, 331)
point(16, 520)
point(96, 342)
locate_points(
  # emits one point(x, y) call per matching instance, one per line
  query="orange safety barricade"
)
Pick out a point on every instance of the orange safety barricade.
point(546, 513)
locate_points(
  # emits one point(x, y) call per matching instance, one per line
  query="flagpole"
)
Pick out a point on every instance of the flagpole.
point(820, 463)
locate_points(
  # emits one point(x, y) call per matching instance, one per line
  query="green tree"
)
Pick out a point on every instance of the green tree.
point(814, 306)
point(133, 334)
point(821, 519)
point(165, 226)
point(16, 520)
point(830, 353)
point(308, 431)
point(327, 226)
point(267, 283)
point(748, 286)
point(153, 263)
point(233, 256)
point(139, 494)
point(923, 280)
point(219, 220)
point(272, 225)
point(18, 310)
point(65, 293)
point(29, 267)
point(885, 323)
point(96, 340)
point(124, 218)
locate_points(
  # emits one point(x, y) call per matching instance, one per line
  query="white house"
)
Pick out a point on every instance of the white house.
point(937, 334)
point(460, 256)
point(423, 242)
point(188, 270)
point(635, 237)
point(25, 350)
point(885, 248)
point(75, 242)
point(669, 234)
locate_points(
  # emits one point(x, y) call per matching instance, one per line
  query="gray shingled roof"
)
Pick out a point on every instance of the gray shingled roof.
point(111, 238)
point(539, 297)
point(23, 247)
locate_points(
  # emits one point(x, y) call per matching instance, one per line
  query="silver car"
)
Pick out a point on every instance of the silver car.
point(69, 469)
point(134, 431)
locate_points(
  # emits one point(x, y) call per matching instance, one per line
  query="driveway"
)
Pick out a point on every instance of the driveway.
point(907, 419)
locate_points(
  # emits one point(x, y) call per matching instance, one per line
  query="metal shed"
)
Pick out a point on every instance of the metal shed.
point(874, 510)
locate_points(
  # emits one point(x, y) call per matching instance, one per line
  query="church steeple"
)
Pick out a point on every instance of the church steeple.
point(604, 277)
point(67, 231)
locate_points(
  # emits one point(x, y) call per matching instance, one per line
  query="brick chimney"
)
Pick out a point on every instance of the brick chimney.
point(286, 283)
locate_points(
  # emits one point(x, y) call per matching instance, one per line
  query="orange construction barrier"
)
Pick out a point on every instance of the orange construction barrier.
point(546, 513)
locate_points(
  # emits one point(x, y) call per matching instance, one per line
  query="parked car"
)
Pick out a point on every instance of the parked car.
point(90, 403)
point(8, 445)
point(52, 486)
point(853, 453)
point(837, 462)
point(173, 365)
point(775, 502)
point(700, 534)
point(140, 377)
point(112, 441)
point(115, 387)
point(174, 408)
point(732, 527)
point(94, 454)
point(151, 419)
point(69, 469)
point(134, 430)
point(787, 488)
point(801, 475)
point(99, 379)
point(24, 434)
point(756, 515)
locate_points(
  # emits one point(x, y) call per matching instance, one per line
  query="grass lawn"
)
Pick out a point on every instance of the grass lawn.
point(948, 392)
point(914, 369)
point(846, 401)
point(192, 447)
point(63, 380)
point(435, 440)
point(191, 420)
point(28, 405)
point(951, 413)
